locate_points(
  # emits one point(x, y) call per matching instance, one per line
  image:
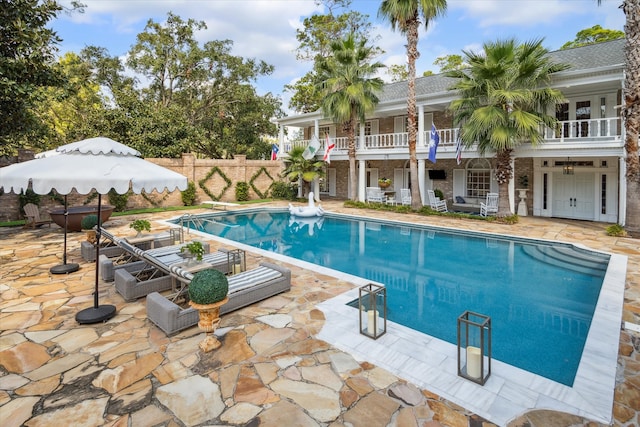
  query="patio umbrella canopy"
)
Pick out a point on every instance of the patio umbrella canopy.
point(99, 164)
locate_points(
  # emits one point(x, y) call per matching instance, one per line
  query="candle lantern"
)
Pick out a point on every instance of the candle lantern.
point(474, 347)
point(372, 304)
point(236, 261)
point(176, 235)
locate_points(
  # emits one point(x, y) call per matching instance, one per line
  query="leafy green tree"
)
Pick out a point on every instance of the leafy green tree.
point(27, 52)
point(349, 90)
point(398, 73)
point(593, 35)
point(406, 16)
point(450, 63)
point(503, 99)
point(299, 169)
point(315, 38)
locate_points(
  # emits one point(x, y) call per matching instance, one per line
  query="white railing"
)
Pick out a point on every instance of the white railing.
point(586, 131)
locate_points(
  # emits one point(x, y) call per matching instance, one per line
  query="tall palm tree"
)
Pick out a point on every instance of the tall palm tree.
point(299, 169)
point(631, 110)
point(406, 16)
point(349, 90)
point(504, 97)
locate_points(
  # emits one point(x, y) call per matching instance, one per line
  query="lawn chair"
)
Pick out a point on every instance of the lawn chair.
point(490, 207)
point(32, 214)
point(405, 196)
point(435, 203)
point(375, 195)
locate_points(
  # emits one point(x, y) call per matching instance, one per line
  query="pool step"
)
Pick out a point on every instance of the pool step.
point(573, 259)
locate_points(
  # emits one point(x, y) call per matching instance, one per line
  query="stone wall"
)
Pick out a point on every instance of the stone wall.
point(214, 179)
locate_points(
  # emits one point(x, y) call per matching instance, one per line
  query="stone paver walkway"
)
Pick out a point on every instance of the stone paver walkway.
point(271, 370)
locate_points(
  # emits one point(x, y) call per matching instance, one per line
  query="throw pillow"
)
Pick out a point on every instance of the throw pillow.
point(459, 199)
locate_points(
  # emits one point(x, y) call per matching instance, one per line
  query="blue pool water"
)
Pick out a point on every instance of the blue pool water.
point(540, 296)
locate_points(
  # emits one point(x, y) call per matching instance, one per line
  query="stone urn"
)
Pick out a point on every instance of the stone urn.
point(208, 292)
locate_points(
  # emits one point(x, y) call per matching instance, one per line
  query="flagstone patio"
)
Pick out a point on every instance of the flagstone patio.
point(272, 369)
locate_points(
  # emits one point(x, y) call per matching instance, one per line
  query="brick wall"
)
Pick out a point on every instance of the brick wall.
point(261, 172)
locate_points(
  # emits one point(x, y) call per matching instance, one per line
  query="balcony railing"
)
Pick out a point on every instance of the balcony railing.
point(590, 131)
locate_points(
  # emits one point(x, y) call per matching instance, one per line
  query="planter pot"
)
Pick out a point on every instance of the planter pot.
point(384, 185)
point(209, 315)
point(76, 213)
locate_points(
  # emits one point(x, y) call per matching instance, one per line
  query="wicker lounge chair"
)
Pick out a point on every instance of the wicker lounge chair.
point(245, 289)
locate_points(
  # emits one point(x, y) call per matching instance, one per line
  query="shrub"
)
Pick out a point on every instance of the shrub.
point(88, 222)
point(208, 287)
point(119, 201)
point(242, 191)
point(189, 195)
point(439, 193)
point(616, 230)
point(283, 190)
point(28, 197)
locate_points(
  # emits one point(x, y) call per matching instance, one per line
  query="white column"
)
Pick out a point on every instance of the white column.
point(362, 170)
point(421, 180)
point(316, 127)
point(281, 138)
point(421, 127)
point(512, 191)
point(622, 202)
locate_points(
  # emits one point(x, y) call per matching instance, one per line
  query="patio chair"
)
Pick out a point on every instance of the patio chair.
point(435, 203)
point(245, 288)
point(490, 207)
point(405, 196)
point(375, 195)
point(32, 215)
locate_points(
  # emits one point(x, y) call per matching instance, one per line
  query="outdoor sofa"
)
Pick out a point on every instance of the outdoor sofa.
point(245, 289)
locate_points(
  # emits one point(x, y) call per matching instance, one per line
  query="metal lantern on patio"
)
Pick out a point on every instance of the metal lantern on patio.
point(474, 347)
point(236, 261)
point(372, 305)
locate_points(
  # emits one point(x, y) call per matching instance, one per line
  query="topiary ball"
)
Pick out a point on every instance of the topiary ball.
point(208, 287)
point(88, 222)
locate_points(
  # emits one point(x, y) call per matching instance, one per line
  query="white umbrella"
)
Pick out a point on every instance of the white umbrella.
point(96, 163)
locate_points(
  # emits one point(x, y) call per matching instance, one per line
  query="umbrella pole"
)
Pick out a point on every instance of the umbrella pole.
point(97, 313)
point(65, 268)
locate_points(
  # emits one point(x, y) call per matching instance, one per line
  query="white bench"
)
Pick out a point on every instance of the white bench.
point(221, 205)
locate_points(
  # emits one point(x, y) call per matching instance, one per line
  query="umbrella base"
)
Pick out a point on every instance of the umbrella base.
point(101, 313)
point(64, 268)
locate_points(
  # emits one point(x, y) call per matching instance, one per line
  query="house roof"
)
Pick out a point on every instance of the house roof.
point(581, 59)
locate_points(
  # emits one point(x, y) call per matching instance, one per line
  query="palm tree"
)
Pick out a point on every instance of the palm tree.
point(405, 15)
point(504, 97)
point(349, 90)
point(299, 169)
point(631, 111)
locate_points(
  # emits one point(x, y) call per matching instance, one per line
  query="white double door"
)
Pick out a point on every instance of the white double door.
point(574, 196)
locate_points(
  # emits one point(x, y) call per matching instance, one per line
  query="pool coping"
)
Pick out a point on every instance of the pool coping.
point(431, 363)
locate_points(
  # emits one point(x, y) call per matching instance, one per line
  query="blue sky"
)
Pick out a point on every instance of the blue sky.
point(266, 29)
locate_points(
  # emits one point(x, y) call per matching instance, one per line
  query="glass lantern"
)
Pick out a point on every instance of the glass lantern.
point(236, 261)
point(474, 347)
point(372, 305)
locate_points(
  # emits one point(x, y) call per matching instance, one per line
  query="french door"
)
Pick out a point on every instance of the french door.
point(574, 196)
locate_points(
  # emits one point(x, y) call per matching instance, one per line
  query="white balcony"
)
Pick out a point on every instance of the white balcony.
point(585, 133)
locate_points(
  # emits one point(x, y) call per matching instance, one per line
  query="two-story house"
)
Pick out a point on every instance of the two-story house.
point(578, 172)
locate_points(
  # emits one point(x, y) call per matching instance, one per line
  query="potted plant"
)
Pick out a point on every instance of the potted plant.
point(193, 249)
point(384, 182)
point(88, 223)
point(140, 225)
point(207, 293)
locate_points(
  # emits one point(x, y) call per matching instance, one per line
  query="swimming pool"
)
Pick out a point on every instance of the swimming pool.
point(541, 297)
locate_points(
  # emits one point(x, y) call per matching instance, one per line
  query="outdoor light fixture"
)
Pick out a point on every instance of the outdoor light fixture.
point(474, 347)
point(236, 261)
point(372, 304)
point(568, 167)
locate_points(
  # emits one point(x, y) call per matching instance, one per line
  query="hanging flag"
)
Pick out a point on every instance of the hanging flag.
point(459, 150)
point(434, 140)
point(274, 152)
point(312, 148)
point(328, 147)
